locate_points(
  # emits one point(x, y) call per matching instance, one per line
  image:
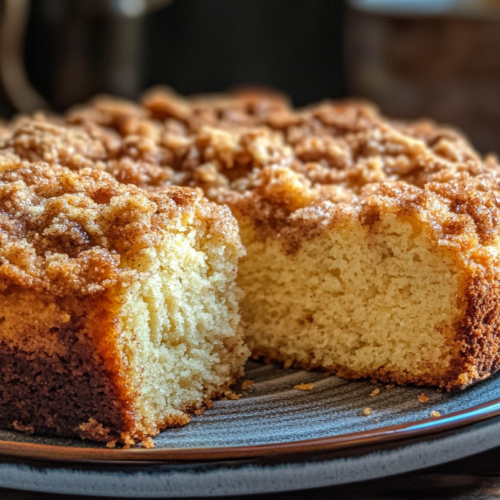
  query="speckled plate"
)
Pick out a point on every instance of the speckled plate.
point(273, 423)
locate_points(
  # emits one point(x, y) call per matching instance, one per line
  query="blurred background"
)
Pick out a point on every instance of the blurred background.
point(434, 58)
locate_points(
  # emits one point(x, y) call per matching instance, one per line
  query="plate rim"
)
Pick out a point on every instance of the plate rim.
point(409, 430)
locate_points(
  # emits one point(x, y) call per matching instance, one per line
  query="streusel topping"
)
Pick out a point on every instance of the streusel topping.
point(63, 231)
point(272, 162)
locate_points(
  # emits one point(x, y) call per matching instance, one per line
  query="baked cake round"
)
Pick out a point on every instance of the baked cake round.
point(372, 245)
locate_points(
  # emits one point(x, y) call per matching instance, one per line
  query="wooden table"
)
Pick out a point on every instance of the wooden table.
point(473, 478)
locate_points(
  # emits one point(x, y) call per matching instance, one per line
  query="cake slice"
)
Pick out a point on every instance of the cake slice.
point(118, 307)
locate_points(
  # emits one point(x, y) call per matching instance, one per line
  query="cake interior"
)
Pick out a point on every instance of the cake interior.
point(177, 327)
point(377, 300)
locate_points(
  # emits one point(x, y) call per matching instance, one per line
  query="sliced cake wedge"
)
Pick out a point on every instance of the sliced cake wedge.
point(118, 307)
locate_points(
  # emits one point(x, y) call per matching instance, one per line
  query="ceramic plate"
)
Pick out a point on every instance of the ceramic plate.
point(272, 417)
point(272, 423)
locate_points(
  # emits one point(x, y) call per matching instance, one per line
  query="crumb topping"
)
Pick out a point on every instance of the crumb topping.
point(292, 172)
point(61, 231)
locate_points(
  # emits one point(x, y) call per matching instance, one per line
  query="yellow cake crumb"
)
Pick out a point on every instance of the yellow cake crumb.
point(423, 398)
point(389, 387)
point(367, 412)
point(247, 384)
point(375, 392)
point(435, 414)
point(148, 443)
point(304, 387)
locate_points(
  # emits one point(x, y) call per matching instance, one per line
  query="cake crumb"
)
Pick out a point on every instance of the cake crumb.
point(148, 443)
point(435, 414)
point(304, 387)
point(126, 447)
point(233, 396)
point(375, 392)
point(374, 381)
point(93, 430)
point(111, 444)
point(439, 391)
point(287, 364)
point(423, 398)
point(29, 429)
point(247, 384)
point(224, 398)
point(377, 420)
point(199, 411)
point(127, 439)
point(367, 412)
point(389, 387)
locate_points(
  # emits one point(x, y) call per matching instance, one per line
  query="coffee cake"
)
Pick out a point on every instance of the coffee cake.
point(372, 244)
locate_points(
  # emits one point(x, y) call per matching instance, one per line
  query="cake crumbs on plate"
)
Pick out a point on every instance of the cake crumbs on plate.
point(200, 411)
point(389, 387)
point(29, 429)
point(111, 444)
point(233, 396)
point(304, 387)
point(423, 398)
point(148, 443)
point(247, 384)
point(367, 412)
point(377, 420)
point(375, 392)
point(435, 414)
point(287, 364)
